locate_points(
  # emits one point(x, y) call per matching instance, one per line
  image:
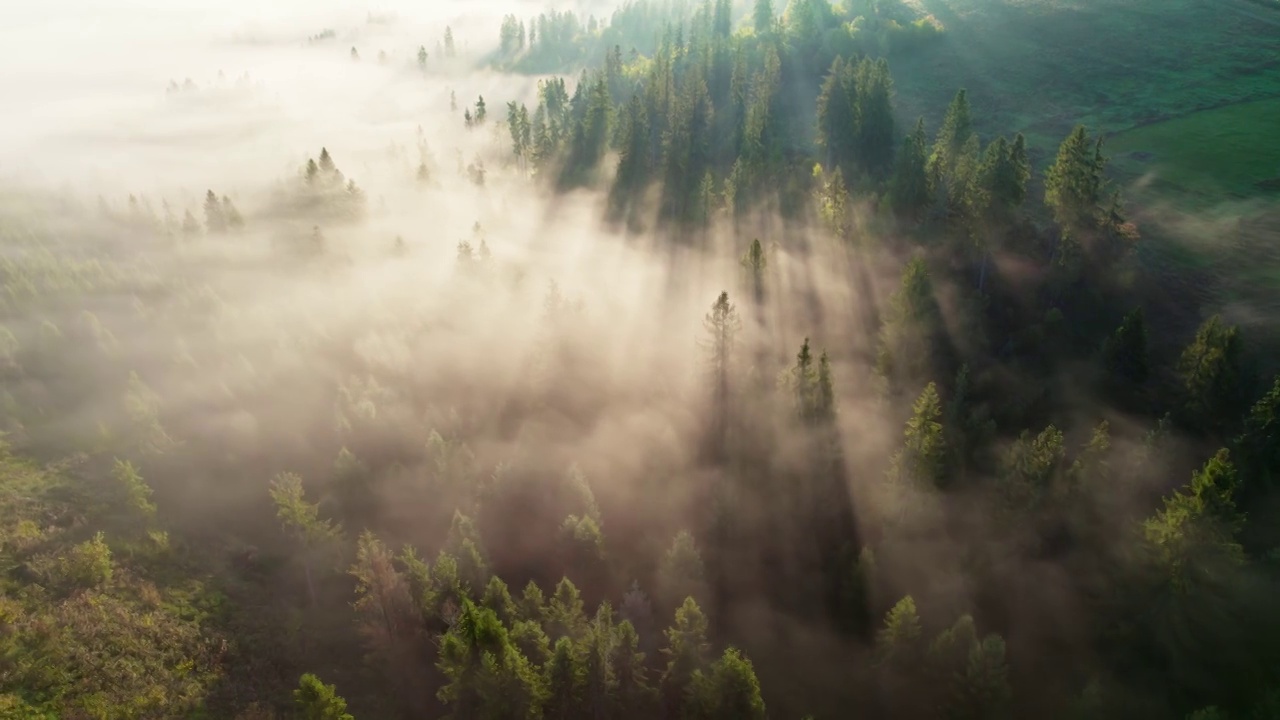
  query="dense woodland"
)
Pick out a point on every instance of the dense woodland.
point(1025, 482)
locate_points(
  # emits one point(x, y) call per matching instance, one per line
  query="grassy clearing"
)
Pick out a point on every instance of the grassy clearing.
point(1040, 66)
point(1206, 155)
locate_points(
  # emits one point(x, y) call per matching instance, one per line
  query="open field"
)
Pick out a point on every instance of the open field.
point(1229, 152)
point(1131, 62)
point(1187, 93)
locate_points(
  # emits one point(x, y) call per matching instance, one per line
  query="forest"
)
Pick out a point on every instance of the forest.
point(677, 359)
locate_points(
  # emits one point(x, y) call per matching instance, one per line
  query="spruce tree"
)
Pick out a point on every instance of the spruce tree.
point(215, 218)
point(957, 126)
point(1125, 352)
point(875, 128)
point(909, 191)
point(1073, 184)
point(762, 16)
point(1210, 369)
point(316, 701)
point(686, 651)
point(922, 461)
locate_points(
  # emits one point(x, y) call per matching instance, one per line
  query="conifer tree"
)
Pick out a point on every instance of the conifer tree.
point(565, 616)
point(1196, 529)
point(1030, 470)
point(422, 58)
point(1073, 184)
point(215, 218)
point(909, 189)
point(1259, 444)
point(301, 519)
point(235, 221)
point(498, 599)
point(449, 49)
point(721, 325)
point(729, 690)
point(464, 545)
point(756, 263)
point(1125, 352)
point(922, 460)
point(1210, 369)
point(682, 574)
point(316, 701)
point(565, 683)
point(957, 127)
point(686, 651)
point(838, 122)
point(875, 127)
point(633, 696)
point(910, 326)
point(486, 674)
point(762, 16)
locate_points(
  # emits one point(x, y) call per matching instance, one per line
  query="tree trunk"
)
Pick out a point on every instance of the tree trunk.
point(311, 587)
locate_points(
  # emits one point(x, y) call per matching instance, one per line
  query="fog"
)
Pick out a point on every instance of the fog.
point(256, 360)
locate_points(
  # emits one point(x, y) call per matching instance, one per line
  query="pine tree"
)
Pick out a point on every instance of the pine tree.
point(388, 619)
point(957, 127)
point(1196, 529)
point(838, 123)
point(316, 701)
point(909, 191)
point(215, 218)
point(565, 616)
point(633, 696)
point(755, 263)
point(900, 642)
point(301, 519)
point(875, 127)
point(686, 652)
point(910, 327)
point(1073, 184)
point(1125, 353)
point(1030, 470)
point(983, 691)
point(1259, 444)
point(682, 574)
point(729, 689)
point(922, 460)
point(721, 325)
point(486, 674)
point(464, 545)
point(1210, 369)
point(498, 599)
point(565, 680)
point(599, 681)
point(763, 18)
point(449, 49)
point(326, 162)
point(235, 221)
point(422, 58)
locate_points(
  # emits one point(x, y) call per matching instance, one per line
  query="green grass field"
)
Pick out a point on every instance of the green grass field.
point(1186, 91)
point(1041, 66)
point(1226, 153)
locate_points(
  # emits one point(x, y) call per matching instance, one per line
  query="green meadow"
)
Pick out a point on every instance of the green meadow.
point(1231, 152)
point(1186, 92)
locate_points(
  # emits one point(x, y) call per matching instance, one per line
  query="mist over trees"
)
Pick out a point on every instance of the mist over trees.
point(677, 374)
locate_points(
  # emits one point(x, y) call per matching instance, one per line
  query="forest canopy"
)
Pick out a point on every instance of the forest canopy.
point(655, 362)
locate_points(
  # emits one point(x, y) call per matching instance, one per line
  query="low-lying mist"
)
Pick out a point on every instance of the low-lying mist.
point(247, 239)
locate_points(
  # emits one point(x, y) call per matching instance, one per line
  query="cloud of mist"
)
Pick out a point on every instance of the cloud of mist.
point(258, 357)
